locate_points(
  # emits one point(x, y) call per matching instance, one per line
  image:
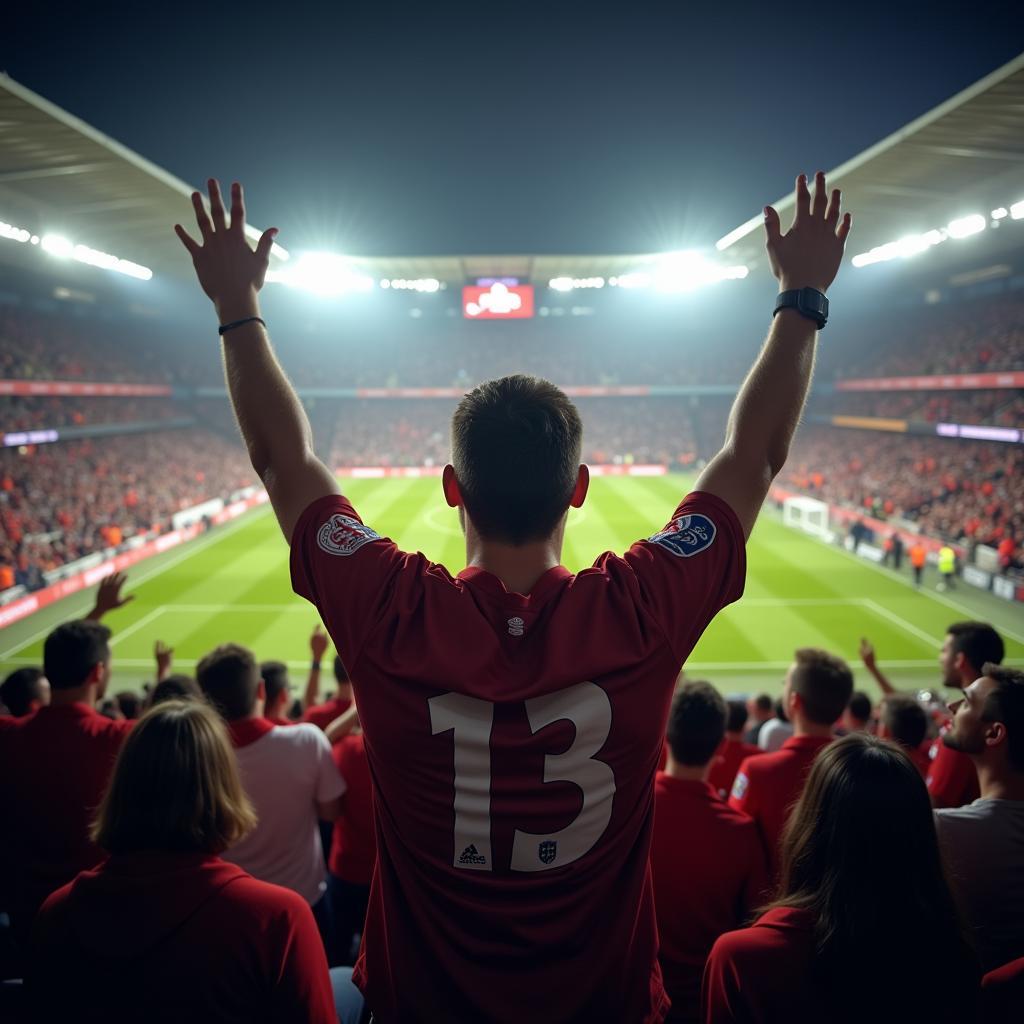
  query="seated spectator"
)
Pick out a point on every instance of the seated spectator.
point(862, 884)
point(62, 757)
point(707, 887)
point(857, 716)
point(731, 751)
point(175, 687)
point(984, 841)
point(775, 732)
point(278, 687)
point(354, 843)
point(762, 710)
point(818, 685)
point(905, 722)
point(287, 773)
point(24, 691)
point(165, 930)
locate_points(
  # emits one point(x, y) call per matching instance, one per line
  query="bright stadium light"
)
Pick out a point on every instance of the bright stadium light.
point(964, 227)
point(905, 247)
point(57, 245)
point(567, 284)
point(1000, 213)
point(686, 271)
point(322, 273)
point(561, 284)
point(13, 233)
point(417, 284)
point(1017, 210)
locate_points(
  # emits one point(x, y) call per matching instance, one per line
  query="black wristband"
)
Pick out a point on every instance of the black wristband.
point(314, 666)
point(224, 328)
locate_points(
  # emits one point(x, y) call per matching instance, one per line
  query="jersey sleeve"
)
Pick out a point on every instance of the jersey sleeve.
point(691, 569)
point(743, 796)
point(346, 569)
point(303, 992)
point(952, 778)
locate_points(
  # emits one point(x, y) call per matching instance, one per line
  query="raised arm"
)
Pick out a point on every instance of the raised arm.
point(867, 655)
point(768, 406)
point(273, 423)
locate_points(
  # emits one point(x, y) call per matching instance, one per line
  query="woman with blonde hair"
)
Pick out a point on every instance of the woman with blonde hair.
point(164, 929)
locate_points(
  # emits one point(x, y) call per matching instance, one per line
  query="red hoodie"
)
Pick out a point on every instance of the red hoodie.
point(165, 937)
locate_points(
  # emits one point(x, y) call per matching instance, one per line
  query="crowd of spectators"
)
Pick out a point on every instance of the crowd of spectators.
point(18, 413)
point(997, 408)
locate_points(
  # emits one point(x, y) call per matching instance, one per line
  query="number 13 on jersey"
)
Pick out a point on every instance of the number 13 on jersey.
point(470, 720)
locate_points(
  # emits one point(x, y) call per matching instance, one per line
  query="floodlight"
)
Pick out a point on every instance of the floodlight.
point(13, 233)
point(1017, 210)
point(58, 245)
point(323, 273)
point(561, 284)
point(1000, 213)
point(964, 227)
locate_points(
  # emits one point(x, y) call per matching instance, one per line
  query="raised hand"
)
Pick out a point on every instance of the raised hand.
point(809, 254)
point(109, 597)
point(867, 654)
point(230, 272)
point(164, 656)
point(318, 643)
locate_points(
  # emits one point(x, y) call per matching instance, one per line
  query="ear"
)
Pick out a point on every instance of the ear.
point(261, 691)
point(795, 703)
point(450, 486)
point(582, 486)
point(95, 677)
point(995, 734)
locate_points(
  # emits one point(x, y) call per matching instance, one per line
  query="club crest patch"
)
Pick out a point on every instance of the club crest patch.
point(687, 535)
point(739, 787)
point(343, 535)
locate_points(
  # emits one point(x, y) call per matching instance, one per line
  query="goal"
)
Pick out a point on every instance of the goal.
point(807, 514)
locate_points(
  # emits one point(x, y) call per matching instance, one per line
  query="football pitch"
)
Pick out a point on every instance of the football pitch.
point(233, 585)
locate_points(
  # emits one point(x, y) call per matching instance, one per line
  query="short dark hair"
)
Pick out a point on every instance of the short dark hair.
point(978, 642)
point(275, 679)
point(905, 720)
point(737, 715)
point(859, 705)
point(516, 446)
point(696, 723)
point(73, 650)
point(176, 687)
point(1006, 704)
point(763, 702)
point(340, 672)
point(824, 683)
point(230, 677)
point(129, 704)
point(20, 688)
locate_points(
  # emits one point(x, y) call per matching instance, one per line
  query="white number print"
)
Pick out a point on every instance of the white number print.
point(587, 706)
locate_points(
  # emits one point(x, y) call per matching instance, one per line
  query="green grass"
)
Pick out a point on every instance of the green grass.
point(233, 585)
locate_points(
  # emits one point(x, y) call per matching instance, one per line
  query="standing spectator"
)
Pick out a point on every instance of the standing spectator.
point(25, 691)
point(321, 715)
point(862, 883)
point(818, 685)
point(705, 888)
point(287, 773)
point(947, 567)
point(762, 711)
point(857, 716)
point(984, 841)
point(777, 731)
point(61, 757)
point(731, 751)
point(165, 930)
point(952, 779)
point(903, 720)
point(175, 687)
point(277, 687)
point(918, 558)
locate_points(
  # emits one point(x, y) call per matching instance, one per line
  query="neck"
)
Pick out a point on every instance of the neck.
point(517, 566)
point(690, 772)
point(802, 727)
point(997, 783)
point(79, 695)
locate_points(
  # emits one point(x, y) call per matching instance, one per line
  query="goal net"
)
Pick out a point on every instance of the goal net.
point(807, 514)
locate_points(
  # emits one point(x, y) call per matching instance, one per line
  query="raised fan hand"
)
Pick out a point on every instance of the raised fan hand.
point(809, 253)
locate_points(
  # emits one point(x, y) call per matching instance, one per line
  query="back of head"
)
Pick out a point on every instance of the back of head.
point(230, 677)
point(175, 786)
point(516, 446)
point(129, 704)
point(275, 680)
point(1005, 703)
point(978, 642)
point(176, 687)
point(859, 706)
point(861, 854)
point(21, 688)
point(823, 682)
point(764, 705)
point(696, 723)
point(736, 716)
point(905, 720)
point(73, 650)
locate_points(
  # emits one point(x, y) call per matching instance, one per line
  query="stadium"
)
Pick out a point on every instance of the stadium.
point(898, 512)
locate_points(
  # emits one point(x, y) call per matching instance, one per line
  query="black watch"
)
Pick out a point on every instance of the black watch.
point(808, 302)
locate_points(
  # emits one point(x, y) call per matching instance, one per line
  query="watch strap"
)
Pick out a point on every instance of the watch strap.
point(808, 302)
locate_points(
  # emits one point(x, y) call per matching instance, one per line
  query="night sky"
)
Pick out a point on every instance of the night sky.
point(386, 128)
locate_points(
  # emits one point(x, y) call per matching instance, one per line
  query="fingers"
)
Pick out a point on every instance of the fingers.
point(820, 195)
point(237, 208)
point(832, 213)
point(205, 227)
point(264, 244)
point(772, 227)
point(216, 205)
point(844, 228)
point(188, 241)
point(803, 197)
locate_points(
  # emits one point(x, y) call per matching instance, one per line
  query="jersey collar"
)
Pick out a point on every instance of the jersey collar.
point(490, 583)
point(245, 731)
point(806, 742)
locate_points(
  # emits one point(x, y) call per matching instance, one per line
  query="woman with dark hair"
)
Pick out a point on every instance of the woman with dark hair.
point(164, 930)
point(862, 891)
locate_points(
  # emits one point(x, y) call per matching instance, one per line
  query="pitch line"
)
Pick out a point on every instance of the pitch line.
point(137, 625)
point(909, 627)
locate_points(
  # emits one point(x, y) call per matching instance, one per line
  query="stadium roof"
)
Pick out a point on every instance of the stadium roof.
point(966, 156)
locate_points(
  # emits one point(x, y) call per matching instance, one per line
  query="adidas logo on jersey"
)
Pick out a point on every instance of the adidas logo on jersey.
point(470, 856)
point(516, 626)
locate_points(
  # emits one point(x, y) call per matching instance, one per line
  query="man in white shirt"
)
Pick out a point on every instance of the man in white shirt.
point(984, 841)
point(776, 731)
point(287, 772)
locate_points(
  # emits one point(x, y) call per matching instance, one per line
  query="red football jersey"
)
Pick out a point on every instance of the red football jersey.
point(767, 787)
point(952, 779)
point(354, 846)
point(321, 715)
point(726, 763)
point(512, 741)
